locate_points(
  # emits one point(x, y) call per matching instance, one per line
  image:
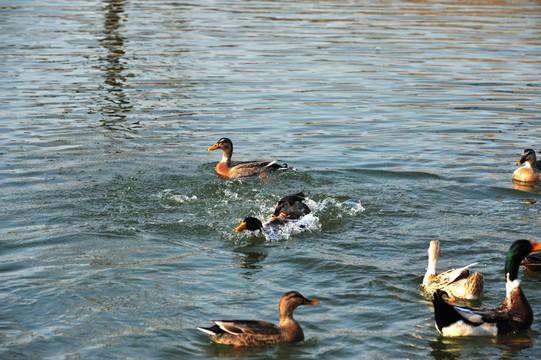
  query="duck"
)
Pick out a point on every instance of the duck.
point(457, 283)
point(291, 206)
point(260, 333)
point(224, 168)
point(530, 172)
point(532, 262)
point(514, 315)
point(287, 209)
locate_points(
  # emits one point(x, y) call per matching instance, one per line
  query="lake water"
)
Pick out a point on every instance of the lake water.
point(404, 120)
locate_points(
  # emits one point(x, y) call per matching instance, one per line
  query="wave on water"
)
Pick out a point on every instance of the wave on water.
point(347, 207)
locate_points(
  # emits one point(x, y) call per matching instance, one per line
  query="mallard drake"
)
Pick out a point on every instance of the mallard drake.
point(514, 315)
point(531, 170)
point(456, 283)
point(260, 333)
point(291, 206)
point(532, 262)
point(224, 168)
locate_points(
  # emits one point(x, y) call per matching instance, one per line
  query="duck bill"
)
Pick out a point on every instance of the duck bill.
point(241, 227)
point(535, 246)
point(213, 147)
point(521, 161)
point(310, 302)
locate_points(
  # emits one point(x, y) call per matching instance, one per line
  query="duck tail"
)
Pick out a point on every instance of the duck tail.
point(444, 312)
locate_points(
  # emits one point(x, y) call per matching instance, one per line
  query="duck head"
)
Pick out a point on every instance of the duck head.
point(517, 252)
point(528, 157)
point(290, 301)
point(250, 223)
point(225, 144)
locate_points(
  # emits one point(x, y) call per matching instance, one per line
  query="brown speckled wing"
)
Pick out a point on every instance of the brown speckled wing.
point(237, 327)
point(252, 164)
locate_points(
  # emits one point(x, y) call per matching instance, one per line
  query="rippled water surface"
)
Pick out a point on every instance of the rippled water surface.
point(404, 120)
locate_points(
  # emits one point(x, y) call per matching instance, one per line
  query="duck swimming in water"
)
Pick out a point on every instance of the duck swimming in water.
point(224, 168)
point(513, 316)
point(457, 283)
point(530, 172)
point(287, 209)
point(260, 333)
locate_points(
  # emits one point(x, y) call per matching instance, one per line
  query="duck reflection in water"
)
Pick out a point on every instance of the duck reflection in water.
point(116, 105)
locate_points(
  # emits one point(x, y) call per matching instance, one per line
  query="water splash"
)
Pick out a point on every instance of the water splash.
point(306, 223)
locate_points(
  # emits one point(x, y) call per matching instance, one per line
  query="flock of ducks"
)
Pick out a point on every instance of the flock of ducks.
point(512, 316)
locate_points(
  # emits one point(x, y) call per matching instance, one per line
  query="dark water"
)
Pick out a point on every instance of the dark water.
point(403, 118)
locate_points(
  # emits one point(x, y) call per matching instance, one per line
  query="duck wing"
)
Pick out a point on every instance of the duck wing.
point(248, 327)
point(270, 165)
point(481, 315)
point(445, 278)
point(253, 168)
point(453, 275)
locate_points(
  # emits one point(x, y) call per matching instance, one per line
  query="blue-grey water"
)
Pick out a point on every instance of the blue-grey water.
point(404, 120)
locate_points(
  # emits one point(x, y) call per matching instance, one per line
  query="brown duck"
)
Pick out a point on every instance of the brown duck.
point(251, 168)
point(260, 333)
point(530, 172)
point(457, 283)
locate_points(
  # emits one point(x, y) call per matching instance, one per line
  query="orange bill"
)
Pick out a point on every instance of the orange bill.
point(535, 246)
point(241, 227)
point(213, 147)
point(521, 161)
point(310, 302)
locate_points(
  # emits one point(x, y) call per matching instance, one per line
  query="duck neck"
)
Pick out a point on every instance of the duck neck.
point(286, 313)
point(532, 161)
point(226, 157)
point(432, 261)
point(291, 330)
point(512, 264)
point(511, 285)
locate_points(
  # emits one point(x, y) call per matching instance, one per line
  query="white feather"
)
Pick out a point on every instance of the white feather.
point(469, 315)
point(460, 328)
point(454, 274)
point(206, 331)
point(220, 324)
